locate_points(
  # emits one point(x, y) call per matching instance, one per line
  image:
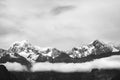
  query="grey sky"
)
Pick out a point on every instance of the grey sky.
point(59, 23)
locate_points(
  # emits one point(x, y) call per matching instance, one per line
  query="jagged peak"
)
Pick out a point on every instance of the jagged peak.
point(98, 41)
point(23, 43)
point(93, 43)
point(34, 53)
point(41, 49)
point(24, 48)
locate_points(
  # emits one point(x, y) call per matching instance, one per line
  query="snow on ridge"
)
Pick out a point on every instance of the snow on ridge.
point(20, 43)
point(28, 51)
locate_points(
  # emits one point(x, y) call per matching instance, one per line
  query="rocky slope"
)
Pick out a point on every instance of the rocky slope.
point(25, 53)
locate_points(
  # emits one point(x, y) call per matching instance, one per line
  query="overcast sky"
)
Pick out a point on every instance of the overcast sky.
point(59, 23)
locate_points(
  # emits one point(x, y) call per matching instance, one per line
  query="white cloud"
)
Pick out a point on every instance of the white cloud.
point(88, 20)
point(104, 63)
point(60, 67)
point(15, 66)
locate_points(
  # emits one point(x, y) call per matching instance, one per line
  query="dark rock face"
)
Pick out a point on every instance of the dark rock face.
point(63, 57)
point(5, 75)
point(20, 60)
point(101, 47)
point(2, 52)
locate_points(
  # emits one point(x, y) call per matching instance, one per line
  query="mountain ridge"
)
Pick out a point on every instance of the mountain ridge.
point(24, 52)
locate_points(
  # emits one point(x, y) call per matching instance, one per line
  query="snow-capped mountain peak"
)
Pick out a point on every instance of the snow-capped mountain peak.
point(30, 52)
point(24, 49)
point(102, 47)
point(21, 44)
point(98, 43)
point(82, 51)
point(115, 47)
point(96, 47)
point(27, 51)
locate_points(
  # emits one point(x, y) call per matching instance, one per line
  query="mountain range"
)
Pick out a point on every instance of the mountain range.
point(25, 53)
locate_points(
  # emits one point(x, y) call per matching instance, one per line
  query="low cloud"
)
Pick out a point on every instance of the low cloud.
point(15, 66)
point(60, 67)
point(104, 63)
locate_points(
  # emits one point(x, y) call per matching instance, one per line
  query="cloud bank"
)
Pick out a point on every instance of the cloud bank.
point(104, 63)
point(54, 23)
point(15, 66)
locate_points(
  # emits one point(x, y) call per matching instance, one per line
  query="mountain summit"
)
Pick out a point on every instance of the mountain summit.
point(96, 47)
point(25, 51)
point(30, 52)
